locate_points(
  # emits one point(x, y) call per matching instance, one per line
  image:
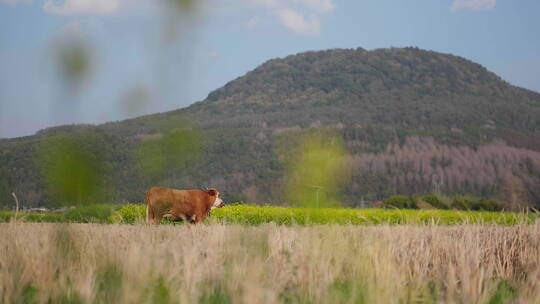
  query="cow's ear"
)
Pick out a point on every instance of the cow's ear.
point(212, 192)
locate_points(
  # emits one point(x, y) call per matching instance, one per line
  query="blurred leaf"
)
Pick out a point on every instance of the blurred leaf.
point(315, 167)
point(182, 4)
point(29, 294)
point(161, 293)
point(135, 100)
point(108, 285)
point(168, 152)
point(73, 169)
point(503, 294)
point(74, 60)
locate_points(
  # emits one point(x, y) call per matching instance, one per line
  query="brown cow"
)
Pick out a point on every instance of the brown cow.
point(186, 205)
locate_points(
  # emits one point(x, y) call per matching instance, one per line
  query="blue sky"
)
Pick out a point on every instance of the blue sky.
point(149, 56)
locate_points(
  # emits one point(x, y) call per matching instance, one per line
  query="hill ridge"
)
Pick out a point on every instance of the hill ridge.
point(420, 100)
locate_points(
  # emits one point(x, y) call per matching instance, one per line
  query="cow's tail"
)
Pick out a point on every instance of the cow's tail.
point(147, 202)
point(147, 214)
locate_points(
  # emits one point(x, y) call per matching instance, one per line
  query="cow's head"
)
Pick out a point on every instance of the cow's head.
point(218, 203)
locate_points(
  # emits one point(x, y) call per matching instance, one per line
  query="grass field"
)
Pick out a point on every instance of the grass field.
point(269, 263)
point(255, 215)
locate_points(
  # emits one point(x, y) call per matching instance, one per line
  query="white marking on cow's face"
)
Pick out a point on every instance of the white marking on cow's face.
point(217, 203)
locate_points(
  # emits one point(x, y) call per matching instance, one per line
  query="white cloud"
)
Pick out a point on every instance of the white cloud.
point(474, 5)
point(297, 23)
point(81, 7)
point(300, 16)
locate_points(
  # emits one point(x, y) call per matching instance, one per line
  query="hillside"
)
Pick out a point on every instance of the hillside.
point(413, 121)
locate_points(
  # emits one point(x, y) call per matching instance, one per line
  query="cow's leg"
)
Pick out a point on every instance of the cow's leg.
point(158, 215)
point(150, 215)
point(162, 210)
point(158, 218)
point(171, 217)
point(197, 218)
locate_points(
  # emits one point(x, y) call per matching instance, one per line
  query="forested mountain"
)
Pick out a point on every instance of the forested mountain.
point(413, 121)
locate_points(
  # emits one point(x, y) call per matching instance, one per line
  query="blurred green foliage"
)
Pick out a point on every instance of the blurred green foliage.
point(69, 296)
point(97, 213)
point(315, 167)
point(161, 293)
point(169, 151)
point(348, 291)
point(74, 59)
point(129, 213)
point(504, 293)
point(182, 4)
point(29, 294)
point(214, 294)
point(73, 170)
point(135, 100)
point(108, 284)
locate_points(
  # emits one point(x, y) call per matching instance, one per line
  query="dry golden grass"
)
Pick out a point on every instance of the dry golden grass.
point(90, 263)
